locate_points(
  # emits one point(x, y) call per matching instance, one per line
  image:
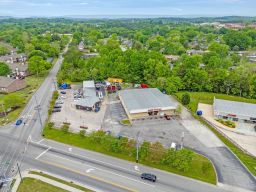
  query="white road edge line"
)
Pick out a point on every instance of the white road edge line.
point(41, 154)
point(40, 141)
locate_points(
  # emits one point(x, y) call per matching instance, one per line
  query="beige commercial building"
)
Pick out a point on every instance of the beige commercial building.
point(146, 103)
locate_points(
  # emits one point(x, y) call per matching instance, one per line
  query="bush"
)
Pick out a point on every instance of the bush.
point(82, 133)
point(51, 125)
point(185, 99)
point(65, 128)
point(227, 123)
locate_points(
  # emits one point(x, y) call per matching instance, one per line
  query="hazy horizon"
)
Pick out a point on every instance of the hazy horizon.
point(154, 8)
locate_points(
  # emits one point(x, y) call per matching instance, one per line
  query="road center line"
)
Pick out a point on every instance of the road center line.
point(43, 153)
point(107, 171)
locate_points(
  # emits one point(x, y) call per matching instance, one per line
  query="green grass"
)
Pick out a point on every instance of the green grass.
point(195, 172)
point(35, 185)
point(33, 83)
point(126, 122)
point(60, 181)
point(207, 98)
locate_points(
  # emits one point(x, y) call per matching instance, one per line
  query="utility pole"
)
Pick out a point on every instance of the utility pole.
point(182, 140)
point(19, 172)
point(4, 110)
point(137, 147)
point(38, 108)
point(55, 84)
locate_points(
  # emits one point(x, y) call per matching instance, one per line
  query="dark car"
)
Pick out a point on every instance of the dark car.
point(56, 110)
point(63, 92)
point(57, 106)
point(18, 122)
point(148, 176)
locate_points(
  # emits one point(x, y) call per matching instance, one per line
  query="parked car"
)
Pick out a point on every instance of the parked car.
point(18, 122)
point(56, 110)
point(97, 109)
point(59, 101)
point(57, 106)
point(63, 97)
point(63, 92)
point(148, 176)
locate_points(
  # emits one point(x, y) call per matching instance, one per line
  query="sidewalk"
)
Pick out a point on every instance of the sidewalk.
point(44, 179)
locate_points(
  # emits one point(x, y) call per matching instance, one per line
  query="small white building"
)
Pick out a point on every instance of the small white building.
point(234, 111)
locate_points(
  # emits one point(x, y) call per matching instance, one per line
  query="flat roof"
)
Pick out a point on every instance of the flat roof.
point(142, 100)
point(88, 84)
point(235, 107)
point(87, 102)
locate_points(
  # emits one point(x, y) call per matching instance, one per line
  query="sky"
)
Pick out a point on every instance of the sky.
point(52, 8)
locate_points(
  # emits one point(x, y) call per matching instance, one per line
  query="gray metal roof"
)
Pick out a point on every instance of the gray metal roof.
point(89, 92)
point(234, 107)
point(87, 102)
point(5, 81)
point(88, 84)
point(142, 100)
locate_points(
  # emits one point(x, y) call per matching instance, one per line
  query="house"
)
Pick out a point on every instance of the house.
point(172, 58)
point(9, 85)
point(195, 52)
point(234, 111)
point(81, 46)
point(90, 55)
point(146, 103)
point(20, 70)
point(90, 100)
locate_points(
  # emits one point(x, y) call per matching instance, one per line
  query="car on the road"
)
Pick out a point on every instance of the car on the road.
point(18, 122)
point(148, 176)
point(63, 92)
point(56, 110)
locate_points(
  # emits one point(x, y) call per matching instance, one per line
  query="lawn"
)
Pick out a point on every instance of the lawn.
point(60, 181)
point(207, 98)
point(34, 185)
point(24, 95)
point(197, 171)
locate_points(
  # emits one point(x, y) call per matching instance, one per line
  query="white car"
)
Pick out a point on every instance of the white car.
point(63, 97)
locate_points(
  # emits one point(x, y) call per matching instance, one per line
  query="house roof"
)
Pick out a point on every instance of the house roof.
point(234, 107)
point(142, 100)
point(20, 67)
point(87, 102)
point(88, 84)
point(89, 92)
point(5, 81)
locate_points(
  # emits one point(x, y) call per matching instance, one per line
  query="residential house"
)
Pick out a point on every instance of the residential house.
point(9, 85)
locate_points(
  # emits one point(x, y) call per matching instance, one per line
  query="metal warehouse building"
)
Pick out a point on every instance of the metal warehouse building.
point(146, 103)
point(234, 111)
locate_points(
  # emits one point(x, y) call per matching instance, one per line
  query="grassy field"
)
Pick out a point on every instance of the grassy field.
point(207, 98)
point(197, 171)
point(34, 185)
point(60, 181)
point(33, 83)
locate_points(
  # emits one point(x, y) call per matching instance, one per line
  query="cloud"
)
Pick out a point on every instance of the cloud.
point(39, 4)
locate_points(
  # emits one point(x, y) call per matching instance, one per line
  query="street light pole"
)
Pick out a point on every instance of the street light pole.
point(19, 172)
point(182, 139)
point(38, 111)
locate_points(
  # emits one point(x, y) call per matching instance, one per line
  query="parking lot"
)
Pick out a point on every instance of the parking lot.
point(77, 118)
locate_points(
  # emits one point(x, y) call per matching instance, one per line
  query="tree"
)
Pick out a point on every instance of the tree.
point(4, 69)
point(221, 49)
point(185, 100)
point(82, 133)
point(38, 65)
point(238, 38)
point(183, 159)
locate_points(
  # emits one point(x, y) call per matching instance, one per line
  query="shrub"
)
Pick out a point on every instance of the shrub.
point(82, 133)
point(65, 128)
point(185, 99)
point(50, 125)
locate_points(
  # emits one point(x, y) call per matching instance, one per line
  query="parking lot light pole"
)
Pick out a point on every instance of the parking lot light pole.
point(137, 147)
